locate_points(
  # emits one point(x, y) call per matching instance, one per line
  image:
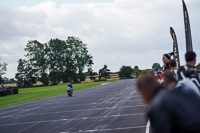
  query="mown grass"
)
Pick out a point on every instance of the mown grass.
point(31, 94)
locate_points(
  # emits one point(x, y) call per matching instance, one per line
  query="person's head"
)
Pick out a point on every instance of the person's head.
point(190, 58)
point(147, 84)
point(166, 58)
point(168, 79)
point(156, 68)
point(172, 63)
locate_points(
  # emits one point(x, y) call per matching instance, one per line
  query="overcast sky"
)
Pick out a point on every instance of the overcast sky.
point(118, 32)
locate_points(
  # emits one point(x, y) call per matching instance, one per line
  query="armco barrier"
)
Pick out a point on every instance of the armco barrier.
point(9, 91)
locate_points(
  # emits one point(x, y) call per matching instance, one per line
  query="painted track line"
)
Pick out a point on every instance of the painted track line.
point(82, 118)
point(102, 130)
point(79, 110)
point(148, 127)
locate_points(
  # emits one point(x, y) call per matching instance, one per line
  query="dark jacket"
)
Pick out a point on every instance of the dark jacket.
point(69, 85)
point(175, 111)
point(166, 67)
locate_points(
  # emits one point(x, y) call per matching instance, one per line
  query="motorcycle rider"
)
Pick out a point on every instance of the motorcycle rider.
point(70, 85)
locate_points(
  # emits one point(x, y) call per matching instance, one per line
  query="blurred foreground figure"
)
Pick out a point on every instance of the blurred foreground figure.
point(169, 80)
point(171, 111)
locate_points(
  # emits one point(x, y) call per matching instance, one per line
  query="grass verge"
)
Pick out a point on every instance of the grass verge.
point(31, 94)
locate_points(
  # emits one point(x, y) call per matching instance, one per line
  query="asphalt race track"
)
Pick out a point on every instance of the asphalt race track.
point(110, 108)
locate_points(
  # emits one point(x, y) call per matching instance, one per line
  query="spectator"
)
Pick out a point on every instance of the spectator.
point(168, 79)
point(172, 65)
point(166, 58)
point(171, 111)
point(158, 74)
point(188, 70)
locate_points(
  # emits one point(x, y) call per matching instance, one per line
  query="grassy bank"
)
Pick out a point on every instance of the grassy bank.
point(31, 94)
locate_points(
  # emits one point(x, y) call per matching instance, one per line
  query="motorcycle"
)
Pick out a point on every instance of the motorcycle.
point(69, 91)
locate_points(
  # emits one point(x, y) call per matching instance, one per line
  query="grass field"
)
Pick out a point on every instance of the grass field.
point(31, 94)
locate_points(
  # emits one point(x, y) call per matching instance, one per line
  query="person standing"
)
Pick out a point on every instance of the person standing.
point(173, 68)
point(169, 80)
point(188, 71)
point(166, 59)
point(174, 110)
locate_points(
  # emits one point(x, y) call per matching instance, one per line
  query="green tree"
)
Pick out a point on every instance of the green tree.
point(57, 59)
point(25, 74)
point(37, 56)
point(44, 78)
point(79, 54)
point(12, 80)
point(90, 70)
point(125, 71)
point(136, 71)
point(104, 72)
point(156, 65)
point(3, 69)
point(5, 79)
point(20, 75)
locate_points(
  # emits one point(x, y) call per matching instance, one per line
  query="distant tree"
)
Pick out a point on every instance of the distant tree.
point(20, 75)
point(104, 72)
point(1, 80)
point(25, 74)
point(58, 53)
point(146, 70)
point(57, 60)
point(12, 80)
point(37, 56)
point(125, 71)
point(80, 54)
point(156, 65)
point(44, 78)
point(6, 79)
point(3, 70)
point(136, 71)
point(90, 70)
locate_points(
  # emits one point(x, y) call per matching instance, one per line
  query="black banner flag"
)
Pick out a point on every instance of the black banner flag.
point(188, 35)
point(175, 47)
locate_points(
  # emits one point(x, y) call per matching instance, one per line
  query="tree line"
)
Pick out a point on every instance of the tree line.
point(54, 61)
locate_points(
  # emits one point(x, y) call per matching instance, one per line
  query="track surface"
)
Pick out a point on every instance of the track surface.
point(110, 108)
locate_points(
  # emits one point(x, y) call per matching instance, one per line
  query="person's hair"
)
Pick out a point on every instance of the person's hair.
point(167, 56)
point(172, 63)
point(190, 56)
point(147, 82)
point(168, 76)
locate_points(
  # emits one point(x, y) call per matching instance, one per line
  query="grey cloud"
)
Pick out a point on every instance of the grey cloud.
point(121, 32)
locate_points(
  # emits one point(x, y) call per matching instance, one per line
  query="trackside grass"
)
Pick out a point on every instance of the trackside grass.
point(31, 94)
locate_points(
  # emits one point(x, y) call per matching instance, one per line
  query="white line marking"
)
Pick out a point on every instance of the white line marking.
point(148, 127)
point(82, 118)
point(76, 110)
point(46, 103)
point(95, 130)
point(104, 84)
